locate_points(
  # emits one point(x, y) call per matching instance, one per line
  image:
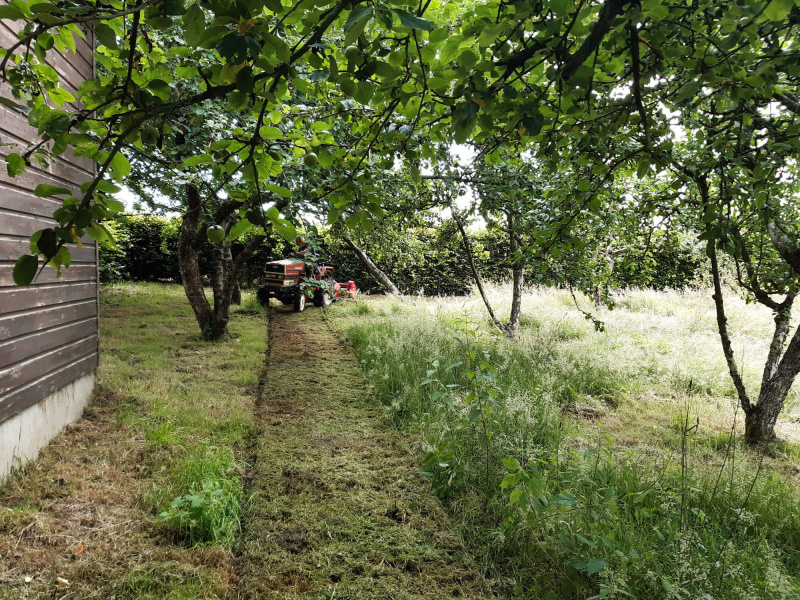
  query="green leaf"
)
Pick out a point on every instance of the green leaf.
point(325, 158)
point(44, 190)
point(120, 167)
point(244, 79)
point(64, 256)
point(358, 13)
point(280, 191)
point(25, 269)
point(450, 50)
point(233, 48)
point(113, 205)
point(160, 88)
point(159, 22)
point(11, 12)
point(238, 100)
point(105, 35)
point(564, 500)
point(96, 232)
point(366, 222)
point(560, 7)
point(15, 164)
point(194, 25)
point(655, 10)
point(595, 565)
point(238, 229)
point(778, 10)
point(318, 76)
point(102, 186)
point(270, 133)
point(202, 159)
point(412, 22)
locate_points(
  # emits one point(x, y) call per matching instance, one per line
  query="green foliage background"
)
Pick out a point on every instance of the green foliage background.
point(422, 260)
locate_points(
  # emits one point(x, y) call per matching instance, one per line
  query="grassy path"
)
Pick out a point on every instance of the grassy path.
point(339, 510)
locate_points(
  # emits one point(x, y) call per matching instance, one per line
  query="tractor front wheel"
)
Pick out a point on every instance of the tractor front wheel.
point(300, 302)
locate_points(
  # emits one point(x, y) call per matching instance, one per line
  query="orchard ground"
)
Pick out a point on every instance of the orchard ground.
point(307, 478)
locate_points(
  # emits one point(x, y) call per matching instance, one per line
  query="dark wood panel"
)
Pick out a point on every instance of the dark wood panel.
point(43, 362)
point(72, 64)
point(49, 330)
point(16, 325)
point(15, 299)
point(67, 171)
point(23, 348)
point(32, 393)
point(67, 72)
point(26, 202)
point(84, 47)
point(80, 272)
point(13, 249)
point(19, 134)
point(23, 225)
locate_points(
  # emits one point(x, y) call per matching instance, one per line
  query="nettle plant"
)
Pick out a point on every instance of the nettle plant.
point(477, 392)
point(208, 515)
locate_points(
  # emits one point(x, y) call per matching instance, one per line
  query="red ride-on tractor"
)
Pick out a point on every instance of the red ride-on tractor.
point(291, 281)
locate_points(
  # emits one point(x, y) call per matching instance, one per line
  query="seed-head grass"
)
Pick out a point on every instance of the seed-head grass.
point(627, 432)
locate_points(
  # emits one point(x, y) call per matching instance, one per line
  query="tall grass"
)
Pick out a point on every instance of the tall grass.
point(584, 464)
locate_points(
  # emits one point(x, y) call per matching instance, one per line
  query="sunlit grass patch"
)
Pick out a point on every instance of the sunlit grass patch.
point(165, 398)
point(634, 478)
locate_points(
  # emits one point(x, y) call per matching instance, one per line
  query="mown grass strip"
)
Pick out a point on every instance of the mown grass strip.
point(339, 507)
point(171, 419)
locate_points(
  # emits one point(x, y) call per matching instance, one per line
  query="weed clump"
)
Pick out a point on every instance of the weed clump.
point(210, 510)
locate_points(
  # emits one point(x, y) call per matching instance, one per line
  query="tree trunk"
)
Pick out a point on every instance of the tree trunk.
point(760, 422)
point(213, 322)
point(511, 328)
point(189, 265)
point(227, 261)
point(475, 275)
point(379, 275)
point(780, 370)
point(517, 273)
point(218, 273)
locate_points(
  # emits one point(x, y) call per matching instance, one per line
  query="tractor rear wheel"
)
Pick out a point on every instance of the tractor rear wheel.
point(262, 294)
point(300, 302)
point(322, 298)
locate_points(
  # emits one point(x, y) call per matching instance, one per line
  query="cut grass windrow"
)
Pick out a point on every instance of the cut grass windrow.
point(339, 508)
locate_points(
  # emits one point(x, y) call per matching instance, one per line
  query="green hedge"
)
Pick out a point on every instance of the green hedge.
point(429, 261)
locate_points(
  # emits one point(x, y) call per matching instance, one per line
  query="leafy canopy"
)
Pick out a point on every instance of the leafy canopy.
point(342, 89)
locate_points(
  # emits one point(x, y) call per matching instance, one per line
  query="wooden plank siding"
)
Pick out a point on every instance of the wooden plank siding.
point(49, 333)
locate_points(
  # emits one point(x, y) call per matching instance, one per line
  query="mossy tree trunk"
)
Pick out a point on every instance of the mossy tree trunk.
point(373, 269)
point(213, 320)
point(782, 365)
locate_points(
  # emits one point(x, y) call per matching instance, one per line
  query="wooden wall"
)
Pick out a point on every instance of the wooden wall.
point(49, 330)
